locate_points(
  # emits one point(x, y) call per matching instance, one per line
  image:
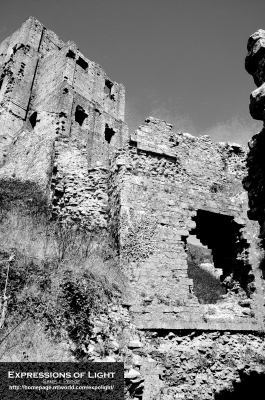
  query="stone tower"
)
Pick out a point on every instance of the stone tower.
point(73, 111)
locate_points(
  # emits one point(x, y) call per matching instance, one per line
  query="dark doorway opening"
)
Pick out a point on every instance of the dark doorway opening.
point(229, 251)
point(207, 285)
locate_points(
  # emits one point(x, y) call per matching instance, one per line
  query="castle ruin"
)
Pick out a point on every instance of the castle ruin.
point(63, 131)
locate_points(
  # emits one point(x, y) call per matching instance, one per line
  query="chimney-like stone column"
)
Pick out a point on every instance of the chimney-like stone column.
point(254, 183)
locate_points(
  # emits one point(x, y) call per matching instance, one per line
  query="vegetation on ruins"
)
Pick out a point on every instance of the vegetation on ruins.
point(57, 295)
point(96, 262)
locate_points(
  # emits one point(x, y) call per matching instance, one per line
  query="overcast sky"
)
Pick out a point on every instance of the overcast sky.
point(180, 60)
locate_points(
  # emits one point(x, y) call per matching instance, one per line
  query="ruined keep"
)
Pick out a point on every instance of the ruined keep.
point(63, 131)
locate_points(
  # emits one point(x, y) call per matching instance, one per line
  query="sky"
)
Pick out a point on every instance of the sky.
point(180, 60)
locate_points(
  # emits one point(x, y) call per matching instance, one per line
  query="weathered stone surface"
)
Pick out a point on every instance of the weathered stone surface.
point(199, 366)
point(257, 103)
point(64, 142)
point(74, 113)
point(254, 181)
point(132, 374)
point(134, 344)
point(160, 198)
point(259, 34)
point(255, 55)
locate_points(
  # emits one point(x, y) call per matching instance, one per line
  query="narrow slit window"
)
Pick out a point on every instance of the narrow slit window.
point(109, 133)
point(108, 87)
point(2, 77)
point(33, 119)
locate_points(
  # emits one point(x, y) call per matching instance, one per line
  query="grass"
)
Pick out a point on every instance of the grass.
point(207, 288)
point(54, 293)
point(60, 278)
point(58, 298)
point(13, 191)
point(19, 346)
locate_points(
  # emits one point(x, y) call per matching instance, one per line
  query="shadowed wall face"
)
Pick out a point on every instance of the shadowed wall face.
point(254, 181)
point(250, 385)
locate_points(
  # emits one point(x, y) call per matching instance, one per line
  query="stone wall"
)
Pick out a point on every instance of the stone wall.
point(64, 143)
point(255, 177)
point(196, 365)
point(254, 181)
point(61, 112)
point(171, 185)
point(178, 364)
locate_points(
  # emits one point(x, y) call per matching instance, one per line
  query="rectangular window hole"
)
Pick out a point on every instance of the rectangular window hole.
point(70, 54)
point(83, 64)
point(80, 115)
point(109, 133)
point(107, 87)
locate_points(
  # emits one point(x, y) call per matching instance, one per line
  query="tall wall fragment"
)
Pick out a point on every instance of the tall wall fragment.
point(61, 111)
point(254, 183)
point(170, 186)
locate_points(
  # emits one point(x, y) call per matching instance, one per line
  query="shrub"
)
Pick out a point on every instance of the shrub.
point(62, 293)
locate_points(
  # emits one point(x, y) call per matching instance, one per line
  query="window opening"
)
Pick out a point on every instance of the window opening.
point(2, 77)
point(218, 259)
point(237, 150)
point(107, 88)
point(83, 64)
point(70, 54)
point(109, 133)
point(207, 286)
point(33, 119)
point(80, 115)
